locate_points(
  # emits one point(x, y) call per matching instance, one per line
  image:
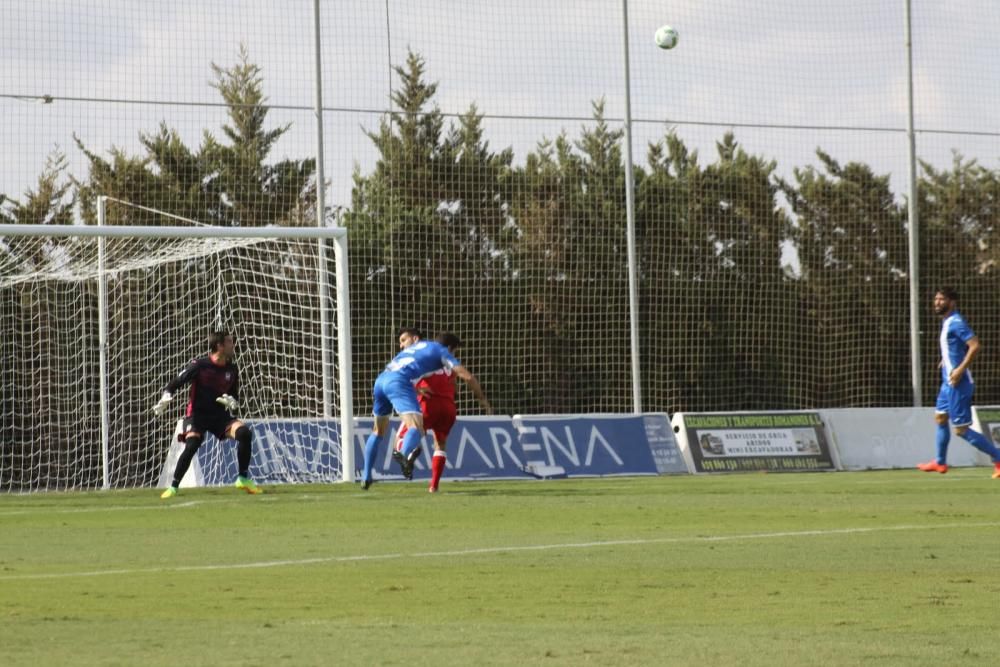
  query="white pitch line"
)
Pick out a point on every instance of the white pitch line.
point(111, 508)
point(131, 508)
point(491, 550)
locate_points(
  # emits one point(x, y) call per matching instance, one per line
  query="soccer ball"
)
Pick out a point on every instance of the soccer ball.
point(666, 37)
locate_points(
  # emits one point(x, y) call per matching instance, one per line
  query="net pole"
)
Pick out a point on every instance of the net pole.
point(341, 287)
point(633, 288)
point(913, 238)
point(323, 286)
point(102, 341)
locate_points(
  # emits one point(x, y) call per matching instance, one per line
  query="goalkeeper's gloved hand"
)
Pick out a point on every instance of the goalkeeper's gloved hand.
point(228, 402)
point(161, 405)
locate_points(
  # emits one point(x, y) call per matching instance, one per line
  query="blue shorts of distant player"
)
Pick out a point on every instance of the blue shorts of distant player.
point(956, 402)
point(394, 392)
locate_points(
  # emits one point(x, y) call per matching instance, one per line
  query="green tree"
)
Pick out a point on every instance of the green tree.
point(122, 177)
point(248, 190)
point(223, 183)
point(747, 229)
point(182, 185)
point(49, 202)
point(959, 215)
point(227, 181)
point(571, 266)
point(851, 241)
point(713, 284)
point(676, 256)
point(429, 226)
point(35, 326)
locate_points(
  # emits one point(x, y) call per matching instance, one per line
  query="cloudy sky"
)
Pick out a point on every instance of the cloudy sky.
point(786, 76)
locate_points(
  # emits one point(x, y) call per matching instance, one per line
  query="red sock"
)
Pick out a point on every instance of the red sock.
point(437, 467)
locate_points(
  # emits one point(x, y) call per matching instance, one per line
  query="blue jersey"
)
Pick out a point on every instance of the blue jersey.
point(420, 359)
point(955, 335)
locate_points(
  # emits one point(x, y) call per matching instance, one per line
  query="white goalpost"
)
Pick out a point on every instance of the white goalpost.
point(94, 320)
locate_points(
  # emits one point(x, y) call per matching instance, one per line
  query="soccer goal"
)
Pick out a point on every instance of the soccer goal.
point(96, 319)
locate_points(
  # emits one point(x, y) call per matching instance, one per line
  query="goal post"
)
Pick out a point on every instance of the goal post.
point(95, 320)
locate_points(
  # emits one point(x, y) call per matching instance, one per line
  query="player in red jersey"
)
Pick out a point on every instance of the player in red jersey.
point(436, 393)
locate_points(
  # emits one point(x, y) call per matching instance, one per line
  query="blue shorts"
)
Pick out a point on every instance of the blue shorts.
point(394, 392)
point(956, 402)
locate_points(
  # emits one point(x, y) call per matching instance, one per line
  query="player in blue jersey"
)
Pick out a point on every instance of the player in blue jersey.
point(394, 390)
point(959, 346)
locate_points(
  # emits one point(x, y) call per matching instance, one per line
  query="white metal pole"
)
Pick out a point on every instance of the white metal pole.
point(131, 231)
point(344, 352)
point(102, 342)
point(342, 290)
point(913, 225)
point(633, 278)
point(324, 289)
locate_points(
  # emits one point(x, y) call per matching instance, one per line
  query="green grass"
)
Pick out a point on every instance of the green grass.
point(877, 568)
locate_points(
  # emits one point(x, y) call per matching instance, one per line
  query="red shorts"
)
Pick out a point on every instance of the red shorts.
point(439, 416)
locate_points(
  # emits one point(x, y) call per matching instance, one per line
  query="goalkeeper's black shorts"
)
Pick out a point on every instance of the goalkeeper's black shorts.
point(217, 425)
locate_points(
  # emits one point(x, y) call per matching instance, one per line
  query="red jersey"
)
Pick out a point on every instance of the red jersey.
point(437, 407)
point(441, 384)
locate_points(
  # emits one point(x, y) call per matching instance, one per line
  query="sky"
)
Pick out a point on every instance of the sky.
point(787, 77)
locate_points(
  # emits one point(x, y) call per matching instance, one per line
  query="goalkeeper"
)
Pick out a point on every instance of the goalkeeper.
point(212, 399)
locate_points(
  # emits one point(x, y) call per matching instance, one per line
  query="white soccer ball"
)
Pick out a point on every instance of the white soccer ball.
point(666, 37)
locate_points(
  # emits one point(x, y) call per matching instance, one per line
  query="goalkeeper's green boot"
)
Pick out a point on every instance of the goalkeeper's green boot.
point(248, 485)
point(169, 493)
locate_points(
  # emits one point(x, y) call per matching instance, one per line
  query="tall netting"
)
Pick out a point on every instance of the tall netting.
point(771, 171)
point(476, 154)
point(164, 295)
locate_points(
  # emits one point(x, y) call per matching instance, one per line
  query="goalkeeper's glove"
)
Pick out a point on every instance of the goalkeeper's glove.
point(228, 402)
point(161, 405)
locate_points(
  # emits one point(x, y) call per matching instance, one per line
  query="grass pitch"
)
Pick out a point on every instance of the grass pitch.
point(876, 568)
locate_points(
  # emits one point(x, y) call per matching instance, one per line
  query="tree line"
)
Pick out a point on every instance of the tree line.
point(756, 291)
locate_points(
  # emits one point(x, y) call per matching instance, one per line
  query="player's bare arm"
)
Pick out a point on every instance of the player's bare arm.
point(474, 386)
point(956, 374)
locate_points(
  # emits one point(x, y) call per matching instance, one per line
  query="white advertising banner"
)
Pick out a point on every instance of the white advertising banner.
point(882, 438)
point(754, 441)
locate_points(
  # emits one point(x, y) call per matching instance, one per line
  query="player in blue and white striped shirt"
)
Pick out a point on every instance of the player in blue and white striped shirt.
point(959, 346)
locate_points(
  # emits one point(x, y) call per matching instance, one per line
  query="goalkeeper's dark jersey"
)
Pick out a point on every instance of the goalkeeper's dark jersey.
point(208, 381)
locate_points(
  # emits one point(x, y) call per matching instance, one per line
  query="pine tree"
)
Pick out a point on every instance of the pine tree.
point(246, 189)
point(851, 242)
point(430, 225)
point(229, 183)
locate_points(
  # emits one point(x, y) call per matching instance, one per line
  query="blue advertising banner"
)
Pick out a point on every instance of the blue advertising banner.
point(308, 450)
point(596, 444)
point(478, 447)
point(285, 451)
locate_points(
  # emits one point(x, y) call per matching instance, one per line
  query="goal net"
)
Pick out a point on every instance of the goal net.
point(96, 320)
